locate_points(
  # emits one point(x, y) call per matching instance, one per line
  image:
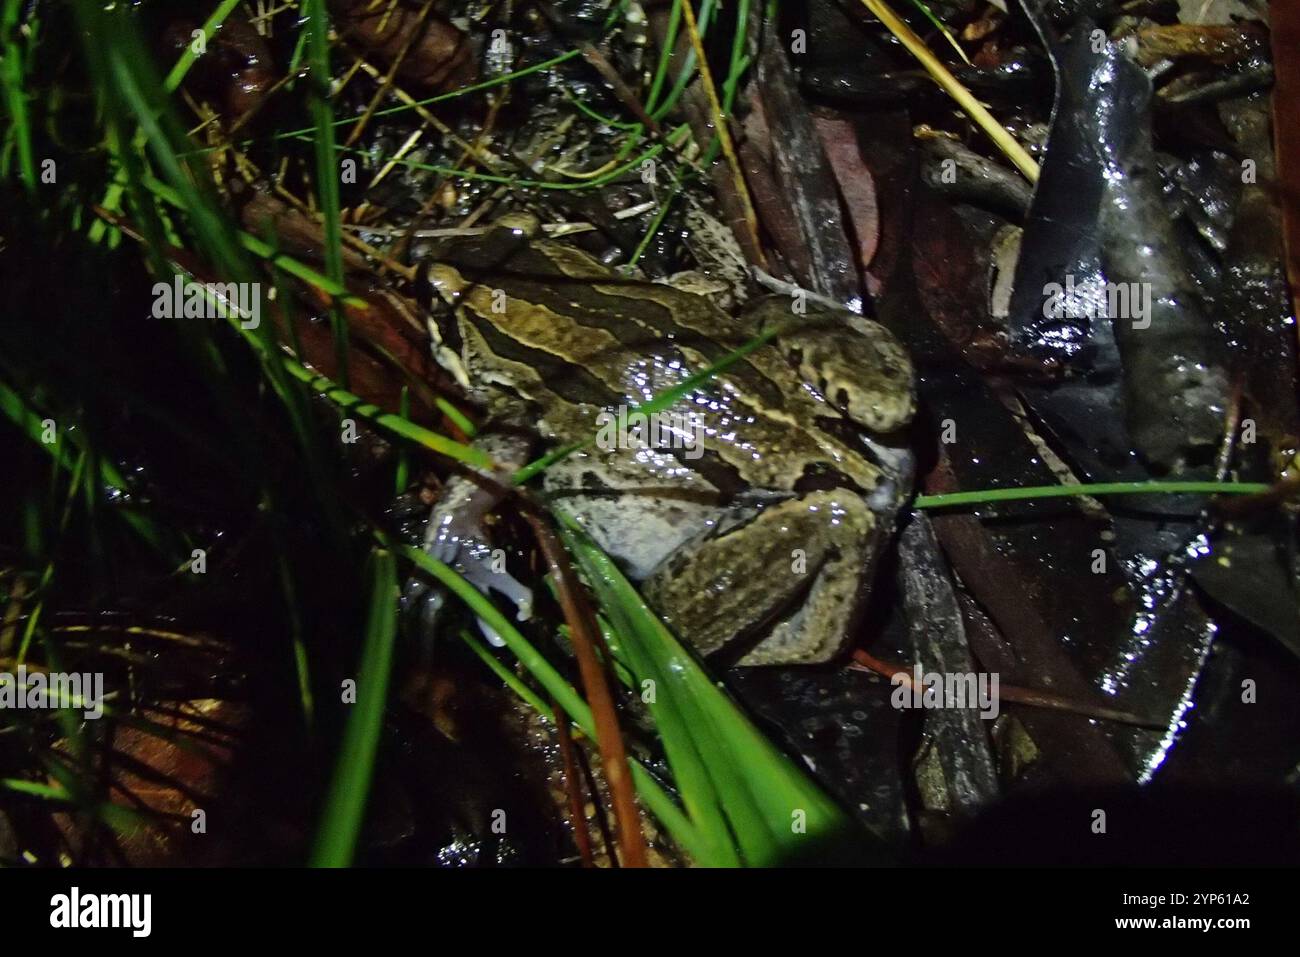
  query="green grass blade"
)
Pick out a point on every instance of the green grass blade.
point(402, 475)
point(657, 800)
point(987, 496)
point(481, 605)
point(30, 422)
point(34, 789)
point(777, 813)
point(495, 81)
point(301, 664)
point(508, 677)
point(687, 72)
point(112, 199)
point(697, 763)
point(327, 168)
point(13, 77)
point(176, 75)
point(345, 806)
point(941, 27)
point(265, 250)
point(395, 424)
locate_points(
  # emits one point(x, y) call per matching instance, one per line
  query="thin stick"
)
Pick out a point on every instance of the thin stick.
point(609, 739)
point(573, 786)
point(1025, 696)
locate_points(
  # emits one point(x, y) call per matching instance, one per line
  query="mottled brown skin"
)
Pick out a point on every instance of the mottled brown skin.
point(768, 536)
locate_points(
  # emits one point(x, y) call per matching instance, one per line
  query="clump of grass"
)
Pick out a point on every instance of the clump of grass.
point(749, 803)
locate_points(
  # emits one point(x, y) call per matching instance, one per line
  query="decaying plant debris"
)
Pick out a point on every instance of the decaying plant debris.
point(1077, 216)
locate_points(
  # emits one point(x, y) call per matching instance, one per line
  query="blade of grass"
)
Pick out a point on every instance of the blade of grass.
point(34, 789)
point(397, 424)
point(508, 677)
point(985, 496)
point(505, 78)
point(301, 664)
point(736, 69)
point(775, 811)
point(261, 249)
point(345, 805)
point(176, 75)
point(941, 27)
point(13, 76)
point(595, 684)
point(112, 199)
point(47, 575)
point(684, 830)
point(327, 168)
point(388, 421)
point(495, 81)
point(673, 137)
point(31, 422)
point(135, 103)
point(402, 475)
point(665, 58)
point(722, 128)
point(698, 766)
point(689, 62)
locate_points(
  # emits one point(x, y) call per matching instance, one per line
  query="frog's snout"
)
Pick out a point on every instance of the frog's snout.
point(445, 282)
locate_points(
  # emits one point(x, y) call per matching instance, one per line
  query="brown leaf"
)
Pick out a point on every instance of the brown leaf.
point(439, 60)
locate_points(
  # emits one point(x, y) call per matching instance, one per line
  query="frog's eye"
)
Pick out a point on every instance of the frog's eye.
point(445, 282)
point(521, 224)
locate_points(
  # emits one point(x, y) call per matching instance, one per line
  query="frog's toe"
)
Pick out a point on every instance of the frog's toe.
point(481, 575)
point(519, 595)
point(479, 565)
point(491, 634)
point(484, 568)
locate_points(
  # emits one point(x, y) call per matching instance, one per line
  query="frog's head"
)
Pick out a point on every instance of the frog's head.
point(856, 364)
point(866, 376)
point(518, 224)
point(445, 282)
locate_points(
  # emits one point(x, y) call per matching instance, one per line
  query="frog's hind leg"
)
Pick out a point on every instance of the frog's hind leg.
point(789, 581)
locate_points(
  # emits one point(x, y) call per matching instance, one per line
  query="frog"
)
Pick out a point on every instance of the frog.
point(755, 537)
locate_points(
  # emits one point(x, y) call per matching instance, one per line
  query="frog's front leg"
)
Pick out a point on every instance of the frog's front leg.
point(455, 536)
point(786, 584)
